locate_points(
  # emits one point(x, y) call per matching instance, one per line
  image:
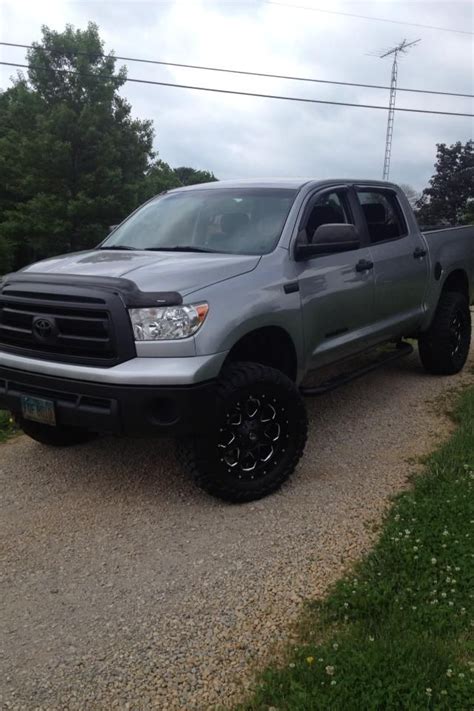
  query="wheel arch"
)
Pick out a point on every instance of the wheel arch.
point(267, 345)
point(457, 281)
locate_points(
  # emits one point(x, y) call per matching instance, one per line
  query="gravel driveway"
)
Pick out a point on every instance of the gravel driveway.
point(124, 587)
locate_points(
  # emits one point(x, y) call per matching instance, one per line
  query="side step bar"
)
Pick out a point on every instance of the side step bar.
point(402, 350)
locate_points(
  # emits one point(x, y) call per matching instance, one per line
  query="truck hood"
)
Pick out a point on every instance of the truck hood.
point(183, 272)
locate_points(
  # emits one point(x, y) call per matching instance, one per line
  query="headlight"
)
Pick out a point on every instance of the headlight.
point(169, 322)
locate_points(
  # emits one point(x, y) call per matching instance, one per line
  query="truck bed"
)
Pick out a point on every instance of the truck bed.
point(453, 246)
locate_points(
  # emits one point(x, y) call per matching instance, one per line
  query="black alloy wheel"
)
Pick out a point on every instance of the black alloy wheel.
point(257, 438)
point(253, 436)
point(444, 347)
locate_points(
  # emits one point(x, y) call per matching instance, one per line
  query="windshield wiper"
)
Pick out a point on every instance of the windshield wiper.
point(181, 248)
point(119, 246)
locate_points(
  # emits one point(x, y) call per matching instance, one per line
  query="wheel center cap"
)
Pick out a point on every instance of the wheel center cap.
point(249, 430)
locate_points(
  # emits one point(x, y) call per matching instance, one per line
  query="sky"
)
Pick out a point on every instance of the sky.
point(245, 137)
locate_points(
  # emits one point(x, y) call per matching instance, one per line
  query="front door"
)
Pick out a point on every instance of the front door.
point(337, 292)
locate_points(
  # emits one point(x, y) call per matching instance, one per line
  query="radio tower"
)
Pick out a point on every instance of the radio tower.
point(399, 49)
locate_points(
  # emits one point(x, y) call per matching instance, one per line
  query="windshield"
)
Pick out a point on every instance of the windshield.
point(241, 221)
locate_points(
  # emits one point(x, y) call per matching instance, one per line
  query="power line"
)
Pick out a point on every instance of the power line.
point(238, 71)
point(367, 17)
point(246, 93)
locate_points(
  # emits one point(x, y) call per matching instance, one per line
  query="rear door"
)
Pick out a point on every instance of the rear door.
point(337, 294)
point(400, 262)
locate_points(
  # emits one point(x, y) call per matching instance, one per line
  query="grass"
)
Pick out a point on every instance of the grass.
point(398, 631)
point(7, 426)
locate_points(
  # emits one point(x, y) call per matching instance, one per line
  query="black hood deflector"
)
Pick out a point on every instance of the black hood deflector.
point(128, 291)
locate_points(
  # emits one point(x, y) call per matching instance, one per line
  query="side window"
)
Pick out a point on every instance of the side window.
point(383, 215)
point(328, 208)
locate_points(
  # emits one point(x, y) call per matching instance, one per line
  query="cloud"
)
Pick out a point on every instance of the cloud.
point(246, 137)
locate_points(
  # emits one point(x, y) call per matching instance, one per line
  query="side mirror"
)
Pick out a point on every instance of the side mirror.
point(328, 239)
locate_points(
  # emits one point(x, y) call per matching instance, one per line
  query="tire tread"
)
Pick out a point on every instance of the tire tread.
point(236, 376)
point(434, 345)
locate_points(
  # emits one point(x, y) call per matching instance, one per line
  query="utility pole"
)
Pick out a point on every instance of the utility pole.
point(400, 48)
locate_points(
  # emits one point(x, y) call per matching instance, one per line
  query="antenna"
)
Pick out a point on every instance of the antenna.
point(400, 48)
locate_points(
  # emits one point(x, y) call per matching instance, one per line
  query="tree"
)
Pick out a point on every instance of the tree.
point(72, 159)
point(190, 176)
point(160, 176)
point(468, 217)
point(5, 257)
point(17, 107)
point(451, 187)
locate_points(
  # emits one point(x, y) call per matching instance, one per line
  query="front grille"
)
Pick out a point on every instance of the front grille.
point(70, 327)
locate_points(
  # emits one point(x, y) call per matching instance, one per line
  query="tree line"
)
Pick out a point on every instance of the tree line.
point(73, 160)
point(449, 197)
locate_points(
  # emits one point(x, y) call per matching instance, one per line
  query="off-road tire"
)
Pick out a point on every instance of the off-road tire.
point(444, 348)
point(280, 414)
point(55, 436)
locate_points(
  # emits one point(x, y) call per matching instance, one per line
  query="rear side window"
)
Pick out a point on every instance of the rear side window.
point(383, 214)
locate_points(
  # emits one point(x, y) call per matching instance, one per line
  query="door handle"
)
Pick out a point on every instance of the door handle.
point(363, 265)
point(419, 253)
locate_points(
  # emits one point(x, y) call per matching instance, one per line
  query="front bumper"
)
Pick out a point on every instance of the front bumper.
point(168, 371)
point(114, 408)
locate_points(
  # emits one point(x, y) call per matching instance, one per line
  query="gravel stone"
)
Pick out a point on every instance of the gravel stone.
point(124, 587)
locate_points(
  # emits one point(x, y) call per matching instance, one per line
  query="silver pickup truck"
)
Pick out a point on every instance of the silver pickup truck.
point(201, 314)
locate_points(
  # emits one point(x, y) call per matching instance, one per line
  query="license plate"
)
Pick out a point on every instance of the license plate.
point(38, 410)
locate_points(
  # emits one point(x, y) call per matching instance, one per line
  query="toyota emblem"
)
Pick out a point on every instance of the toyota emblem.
point(43, 328)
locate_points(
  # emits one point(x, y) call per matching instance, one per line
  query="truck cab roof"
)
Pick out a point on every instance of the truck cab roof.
point(284, 183)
